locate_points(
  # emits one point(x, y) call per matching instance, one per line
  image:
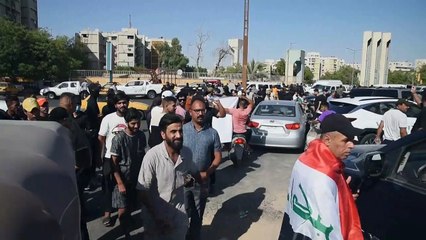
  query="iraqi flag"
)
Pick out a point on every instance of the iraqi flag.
point(320, 203)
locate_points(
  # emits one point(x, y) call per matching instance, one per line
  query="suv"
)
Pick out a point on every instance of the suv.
point(392, 184)
point(367, 113)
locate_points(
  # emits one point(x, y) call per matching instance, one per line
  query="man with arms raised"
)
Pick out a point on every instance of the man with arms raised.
point(320, 202)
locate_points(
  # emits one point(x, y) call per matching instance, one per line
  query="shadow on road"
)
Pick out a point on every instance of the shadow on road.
point(236, 216)
point(117, 233)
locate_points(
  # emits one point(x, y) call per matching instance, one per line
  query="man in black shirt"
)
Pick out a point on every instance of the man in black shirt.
point(421, 118)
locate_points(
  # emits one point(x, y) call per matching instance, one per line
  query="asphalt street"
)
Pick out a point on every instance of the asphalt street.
point(247, 202)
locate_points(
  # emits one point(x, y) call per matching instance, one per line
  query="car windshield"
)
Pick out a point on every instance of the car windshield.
point(340, 107)
point(276, 110)
point(360, 92)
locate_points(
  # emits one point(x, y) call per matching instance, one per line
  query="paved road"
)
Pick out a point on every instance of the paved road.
point(247, 203)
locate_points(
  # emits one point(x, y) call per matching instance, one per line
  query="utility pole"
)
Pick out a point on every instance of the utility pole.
point(353, 65)
point(245, 42)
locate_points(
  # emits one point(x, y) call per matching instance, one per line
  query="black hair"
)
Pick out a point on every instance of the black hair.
point(120, 96)
point(325, 104)
point(11, 98)
point(67, 95)
point(58, 114)
point(169, 99)
point(132, 114)
point(155, 102)
point(198, 98)
point(168, 119)
point(243, 102)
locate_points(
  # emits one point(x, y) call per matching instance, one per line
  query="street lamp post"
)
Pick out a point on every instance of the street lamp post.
point(245, 43)
point(353, 65)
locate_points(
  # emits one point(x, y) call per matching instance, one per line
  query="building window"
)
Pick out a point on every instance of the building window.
point(130, 54)
point(114, 38)
point(130, 45)
point(129, 37)
point(84, 35)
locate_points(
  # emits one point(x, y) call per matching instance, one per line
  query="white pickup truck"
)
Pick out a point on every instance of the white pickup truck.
point(73, 87)
point(141, 88)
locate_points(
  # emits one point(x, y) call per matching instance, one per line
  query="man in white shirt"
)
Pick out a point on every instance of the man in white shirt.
point(110, 125)
point(394, 123)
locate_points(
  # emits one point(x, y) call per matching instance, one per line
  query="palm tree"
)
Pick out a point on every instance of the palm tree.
point(255, 70)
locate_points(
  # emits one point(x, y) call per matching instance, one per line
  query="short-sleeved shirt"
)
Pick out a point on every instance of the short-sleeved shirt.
point(325, 114)
point(130, 149)
point(164, 181)
point(202, 144)
point(393, 121)
point(156, 115)
point(111, 124)
point(239, 118)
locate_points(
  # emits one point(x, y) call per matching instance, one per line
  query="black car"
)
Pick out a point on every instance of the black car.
point(392, 183)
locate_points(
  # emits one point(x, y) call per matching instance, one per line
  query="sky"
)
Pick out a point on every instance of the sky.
point(325, 26)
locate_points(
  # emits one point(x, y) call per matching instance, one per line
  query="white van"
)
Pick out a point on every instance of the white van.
point(259, 85)
point(330, 85)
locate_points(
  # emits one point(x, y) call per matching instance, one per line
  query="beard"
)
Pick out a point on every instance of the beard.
point(176, 144)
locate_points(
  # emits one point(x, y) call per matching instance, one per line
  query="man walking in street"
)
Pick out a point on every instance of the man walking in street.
point(394, 123)
point(320, 202)
point(127, 152)
point(111, 124)
point(163, 174)
point(205, 146)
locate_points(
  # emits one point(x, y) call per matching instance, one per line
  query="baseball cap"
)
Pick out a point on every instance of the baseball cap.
point(29, 104)
point(341, 124)
point(402, 101)
point(41, 101)
point(167, 93)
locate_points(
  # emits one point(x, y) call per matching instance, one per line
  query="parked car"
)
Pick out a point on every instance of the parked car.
point(141, 88)
point(73, 87)
point(102, 101)
point(7, 88)
point(392, 184)
point(367, 112)
point(278, 123)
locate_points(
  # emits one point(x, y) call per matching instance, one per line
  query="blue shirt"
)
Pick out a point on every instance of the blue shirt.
point(203, 144)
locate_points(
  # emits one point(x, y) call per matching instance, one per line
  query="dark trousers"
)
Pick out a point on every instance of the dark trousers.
point(83, 178)
point(107, 185)
point(387, 141)
point(195, 203)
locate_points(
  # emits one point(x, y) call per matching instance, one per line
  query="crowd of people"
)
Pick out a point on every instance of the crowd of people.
point(174, 177)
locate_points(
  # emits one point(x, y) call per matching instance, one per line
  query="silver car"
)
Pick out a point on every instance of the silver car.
point(278, 124)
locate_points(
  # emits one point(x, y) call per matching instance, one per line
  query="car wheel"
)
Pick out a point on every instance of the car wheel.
point(368, 139)
point(51, 95)
point(151, 94)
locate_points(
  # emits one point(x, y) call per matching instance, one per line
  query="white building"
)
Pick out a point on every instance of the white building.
point(419, 63)
point(401, 66)
point(235, 45)
point(294, 67)
point(375, 54)
point(95, 47)
point(313, 61)
point(330, 64)
point(270, 65)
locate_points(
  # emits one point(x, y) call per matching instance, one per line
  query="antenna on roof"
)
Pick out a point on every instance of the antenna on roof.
point(130, 21)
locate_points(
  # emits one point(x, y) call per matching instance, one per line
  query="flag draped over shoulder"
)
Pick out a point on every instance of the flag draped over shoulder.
point(320, 203)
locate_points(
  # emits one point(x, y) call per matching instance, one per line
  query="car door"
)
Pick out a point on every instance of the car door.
point(142, 87)
point(63, 87)
point(129, 89)
point(393, 206)
point(74, 88)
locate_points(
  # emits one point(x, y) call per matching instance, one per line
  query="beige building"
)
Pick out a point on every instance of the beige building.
point(95, 49)
point(401, 66)
point(330, 64)
point(313, 61)
point(20, 11)
point(375, 54)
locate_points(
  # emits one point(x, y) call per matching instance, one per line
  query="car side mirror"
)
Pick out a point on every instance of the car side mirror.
point(373, 164)
point(421, 174)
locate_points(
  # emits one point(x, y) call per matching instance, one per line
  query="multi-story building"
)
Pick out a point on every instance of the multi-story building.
point(419, 63)
point(330, 64)
point(401, 66)
point(129, 48)
point(20, 11)
point(95, 47)
point(313, 61)
point(294, 67)
point(270, 65)
point(375, 53)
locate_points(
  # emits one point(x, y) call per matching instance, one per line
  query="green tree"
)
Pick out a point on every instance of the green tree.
point(309, 76)
point(400, 77)
point(422, 74)
point(280, 70)
point(237, 68)
point(171, 56)
point(255, 70)
point(344, 74)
